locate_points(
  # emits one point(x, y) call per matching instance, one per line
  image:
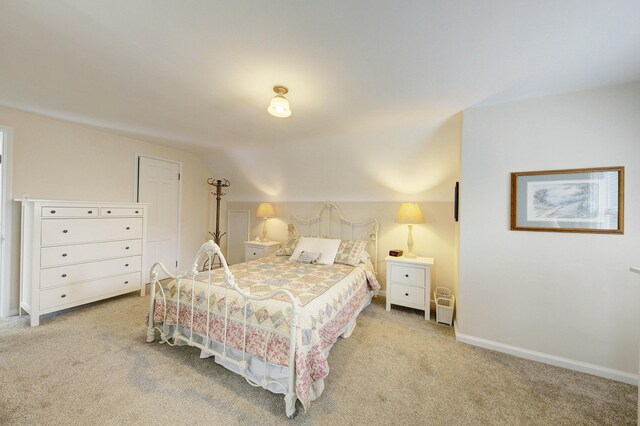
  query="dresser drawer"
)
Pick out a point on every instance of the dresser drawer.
point(73, 231)
point(408, 275)
point(60, 275)
point(70, 211)
point(78, 292)
point(406, 294)
point(64, 255)
point(120, 211)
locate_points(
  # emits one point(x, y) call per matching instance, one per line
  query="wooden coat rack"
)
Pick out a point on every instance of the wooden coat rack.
point(218, 184)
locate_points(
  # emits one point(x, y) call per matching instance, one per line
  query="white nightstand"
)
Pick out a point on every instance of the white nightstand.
point(409, 283)
point(257, 249)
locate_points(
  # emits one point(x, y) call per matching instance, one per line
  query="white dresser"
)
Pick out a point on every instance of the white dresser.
point(79, 252)
point(409, 283)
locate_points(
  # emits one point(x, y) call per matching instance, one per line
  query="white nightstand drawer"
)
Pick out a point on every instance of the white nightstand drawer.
point(257, 249)
point(408, 294)
point(408, 275)
point(252, 253)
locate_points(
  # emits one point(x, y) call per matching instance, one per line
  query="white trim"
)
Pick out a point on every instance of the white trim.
point(137, 155)
point(5, 232)
point(596, 370)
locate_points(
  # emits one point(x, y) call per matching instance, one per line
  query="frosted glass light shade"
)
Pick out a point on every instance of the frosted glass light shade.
point(265, 210)
point(409, 213)
point(279, 107)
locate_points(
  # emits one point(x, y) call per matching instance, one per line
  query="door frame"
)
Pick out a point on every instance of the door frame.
point(136, 178)
point(5, 231)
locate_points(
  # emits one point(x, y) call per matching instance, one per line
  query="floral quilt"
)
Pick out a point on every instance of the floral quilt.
point(328, 303)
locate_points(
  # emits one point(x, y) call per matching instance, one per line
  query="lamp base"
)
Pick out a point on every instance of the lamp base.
point(264, 240)
point(410, 255)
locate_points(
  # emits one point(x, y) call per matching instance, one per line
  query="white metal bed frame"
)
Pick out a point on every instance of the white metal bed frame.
point(323, 222)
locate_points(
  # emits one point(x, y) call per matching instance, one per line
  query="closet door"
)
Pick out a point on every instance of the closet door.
point(159, 185)
point(237, 234)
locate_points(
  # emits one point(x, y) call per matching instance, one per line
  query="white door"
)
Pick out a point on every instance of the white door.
point(159, 185)
point(237, 234)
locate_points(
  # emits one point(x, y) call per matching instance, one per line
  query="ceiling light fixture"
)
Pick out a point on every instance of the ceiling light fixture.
point(279, 106)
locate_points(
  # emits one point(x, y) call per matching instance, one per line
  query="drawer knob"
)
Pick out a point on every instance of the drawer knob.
point(128, 227)
point(126, 248)
point(108, 211)
point(254, 254)
point(63, 275)
point(126, 282)
point(63, 295)
point(64, 254)
point(136, 211)
point(64, 231)
point(406, 294)
point(53, 212)
point(406, 275)
point(90, 212)
point(126, 264)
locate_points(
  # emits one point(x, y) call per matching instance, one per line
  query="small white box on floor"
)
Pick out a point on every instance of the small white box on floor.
point(445, 302)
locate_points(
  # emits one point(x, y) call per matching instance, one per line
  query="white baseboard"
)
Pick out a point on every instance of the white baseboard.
point(12, 313)
point(596, 370)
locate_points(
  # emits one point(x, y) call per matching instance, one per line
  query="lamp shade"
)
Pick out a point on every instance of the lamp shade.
point(265, 210)
point(409, 213)
point(279, 107)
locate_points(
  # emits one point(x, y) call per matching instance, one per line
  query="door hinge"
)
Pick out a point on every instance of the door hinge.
point(176, 263)
point(0, 159)
point(178, 176)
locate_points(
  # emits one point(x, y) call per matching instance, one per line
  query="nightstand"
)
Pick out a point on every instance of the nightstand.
point(257, 249)
point(409, 283)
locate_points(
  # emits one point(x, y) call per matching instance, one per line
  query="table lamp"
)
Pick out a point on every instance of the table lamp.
point(265, 210)
point(410, 214)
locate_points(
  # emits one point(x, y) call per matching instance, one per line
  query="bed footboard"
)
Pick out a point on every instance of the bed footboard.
point(183, 333)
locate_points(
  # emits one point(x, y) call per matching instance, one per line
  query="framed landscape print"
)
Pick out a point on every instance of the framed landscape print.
point(576, 200)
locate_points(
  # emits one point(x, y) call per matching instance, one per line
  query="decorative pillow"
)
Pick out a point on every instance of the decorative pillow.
point(326, 247)
point(309, 257)
point(350, 252)
point(288, 247)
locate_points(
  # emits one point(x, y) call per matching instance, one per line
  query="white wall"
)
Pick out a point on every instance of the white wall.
point(54, 159)
point(563, 294)
point(435, 238)
point(408, 157)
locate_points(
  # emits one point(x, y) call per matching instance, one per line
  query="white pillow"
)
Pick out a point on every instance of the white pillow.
point(325, 246)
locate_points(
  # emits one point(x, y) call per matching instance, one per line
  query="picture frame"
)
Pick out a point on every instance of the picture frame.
point(573, 200)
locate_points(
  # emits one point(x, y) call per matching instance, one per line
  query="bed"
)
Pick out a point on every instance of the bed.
point(272, 320)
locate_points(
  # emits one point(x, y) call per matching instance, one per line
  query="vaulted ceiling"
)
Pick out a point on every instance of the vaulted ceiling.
point(362, 75)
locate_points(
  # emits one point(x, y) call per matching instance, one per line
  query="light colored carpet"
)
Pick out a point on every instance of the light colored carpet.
point(91, 365)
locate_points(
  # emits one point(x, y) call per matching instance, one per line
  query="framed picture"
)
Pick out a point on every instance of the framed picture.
point(576, 200)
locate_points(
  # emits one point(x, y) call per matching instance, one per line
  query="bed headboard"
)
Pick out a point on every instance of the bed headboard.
point(330, 223)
